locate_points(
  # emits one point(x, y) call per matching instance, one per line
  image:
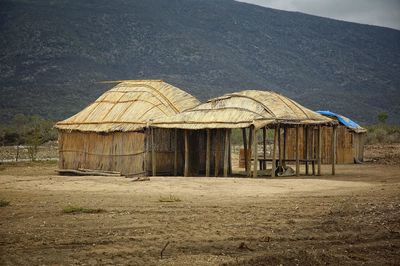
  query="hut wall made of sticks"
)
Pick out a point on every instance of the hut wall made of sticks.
point(349, 148)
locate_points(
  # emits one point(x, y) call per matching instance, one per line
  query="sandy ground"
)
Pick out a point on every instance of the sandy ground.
point(351, 218)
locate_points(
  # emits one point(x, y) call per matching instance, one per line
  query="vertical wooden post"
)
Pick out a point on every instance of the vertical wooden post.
point(255, 152)
point(230, 153)
point(217, 151)
point(245, 148)
point(176, 153)
point(333, 149)
point(313, 150)
point(297, 151)
point(306, 147)
point(319, 153)
point(208, 152)
point(249, 147)
point(153, 154)
point(264, 164)
point(226, 153)
point(186, 171)
point(284, 146)
point(279, 147)
point(274, 151)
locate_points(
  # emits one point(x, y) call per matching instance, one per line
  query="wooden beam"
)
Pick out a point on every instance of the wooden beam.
point(297, 151)
point(186, 170)
point(153, 154)
point(208, 152)
point(279, 147)
point(249, 147)
point(226, 153)
point(245, 148)
point(274, 151)
point(176, 152)
point(255, 152)
point(333, 149)
point(319, 153)
point(264, 164)
point(306, 147)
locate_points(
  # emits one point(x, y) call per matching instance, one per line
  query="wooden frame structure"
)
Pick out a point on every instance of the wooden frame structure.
point(255, 110)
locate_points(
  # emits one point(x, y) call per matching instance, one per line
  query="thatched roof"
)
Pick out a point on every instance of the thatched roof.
point(129, 106)
point(242, 109)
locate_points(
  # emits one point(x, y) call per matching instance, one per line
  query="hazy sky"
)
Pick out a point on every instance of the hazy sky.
point(375, 12)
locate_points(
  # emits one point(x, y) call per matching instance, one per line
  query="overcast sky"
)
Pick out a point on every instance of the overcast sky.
point(374, 12)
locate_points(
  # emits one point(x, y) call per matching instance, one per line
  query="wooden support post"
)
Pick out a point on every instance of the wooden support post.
point(230, 153)
point(249, 147)
point(297, 151)
point(245, 148)
point(319, 153)
point(333, 149)
point(208, 152)
point(217, 151)
point(284, 146)
point(274, 151)
point(313, 150)
point(153, 154)
point(279, 147)
point(264, 164)
point(255, 152)
point(186, 170)
point(306, 147)
point(226, 153)
point(176, 153)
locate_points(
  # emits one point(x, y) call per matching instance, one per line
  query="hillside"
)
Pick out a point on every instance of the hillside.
point(52, 53)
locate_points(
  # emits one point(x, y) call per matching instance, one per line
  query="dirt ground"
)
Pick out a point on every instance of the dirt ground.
point(351, 218)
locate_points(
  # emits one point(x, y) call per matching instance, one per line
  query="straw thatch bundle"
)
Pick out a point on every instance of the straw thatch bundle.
point(243, 109)
point(129, 106)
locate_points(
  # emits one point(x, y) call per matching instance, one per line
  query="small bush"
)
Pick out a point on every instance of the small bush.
point(74, 209)
point(4, 203)
point(384, 134)
point(170, 198)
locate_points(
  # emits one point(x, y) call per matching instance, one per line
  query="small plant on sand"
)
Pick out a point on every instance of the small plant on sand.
point(170, 198)
point(75, 209)
point(4, 203)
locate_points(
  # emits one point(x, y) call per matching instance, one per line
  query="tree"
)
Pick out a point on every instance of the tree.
point(382, 117)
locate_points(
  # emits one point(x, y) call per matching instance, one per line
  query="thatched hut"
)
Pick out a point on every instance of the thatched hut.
point(112, 134)
point(251, 109)
point(350, 144)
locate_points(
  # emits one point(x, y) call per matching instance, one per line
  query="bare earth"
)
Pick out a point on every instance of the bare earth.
point(351, 218)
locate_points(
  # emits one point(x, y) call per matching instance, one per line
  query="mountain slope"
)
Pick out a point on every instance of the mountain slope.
point(52, 53)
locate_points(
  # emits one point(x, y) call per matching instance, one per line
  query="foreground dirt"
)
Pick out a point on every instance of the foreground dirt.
point(351, 218)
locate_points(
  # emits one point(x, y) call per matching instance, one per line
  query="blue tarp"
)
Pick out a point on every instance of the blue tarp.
point(343, 120)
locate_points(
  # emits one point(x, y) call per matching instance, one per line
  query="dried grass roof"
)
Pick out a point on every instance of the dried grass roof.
point(129, 106)
point(242, 109)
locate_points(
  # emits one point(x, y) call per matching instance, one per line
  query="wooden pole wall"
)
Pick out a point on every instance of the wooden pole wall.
point(313, 150)
point(217, 151)
point(208, 152)
point(279, 147)
point(306, 147)
point(284, 147)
